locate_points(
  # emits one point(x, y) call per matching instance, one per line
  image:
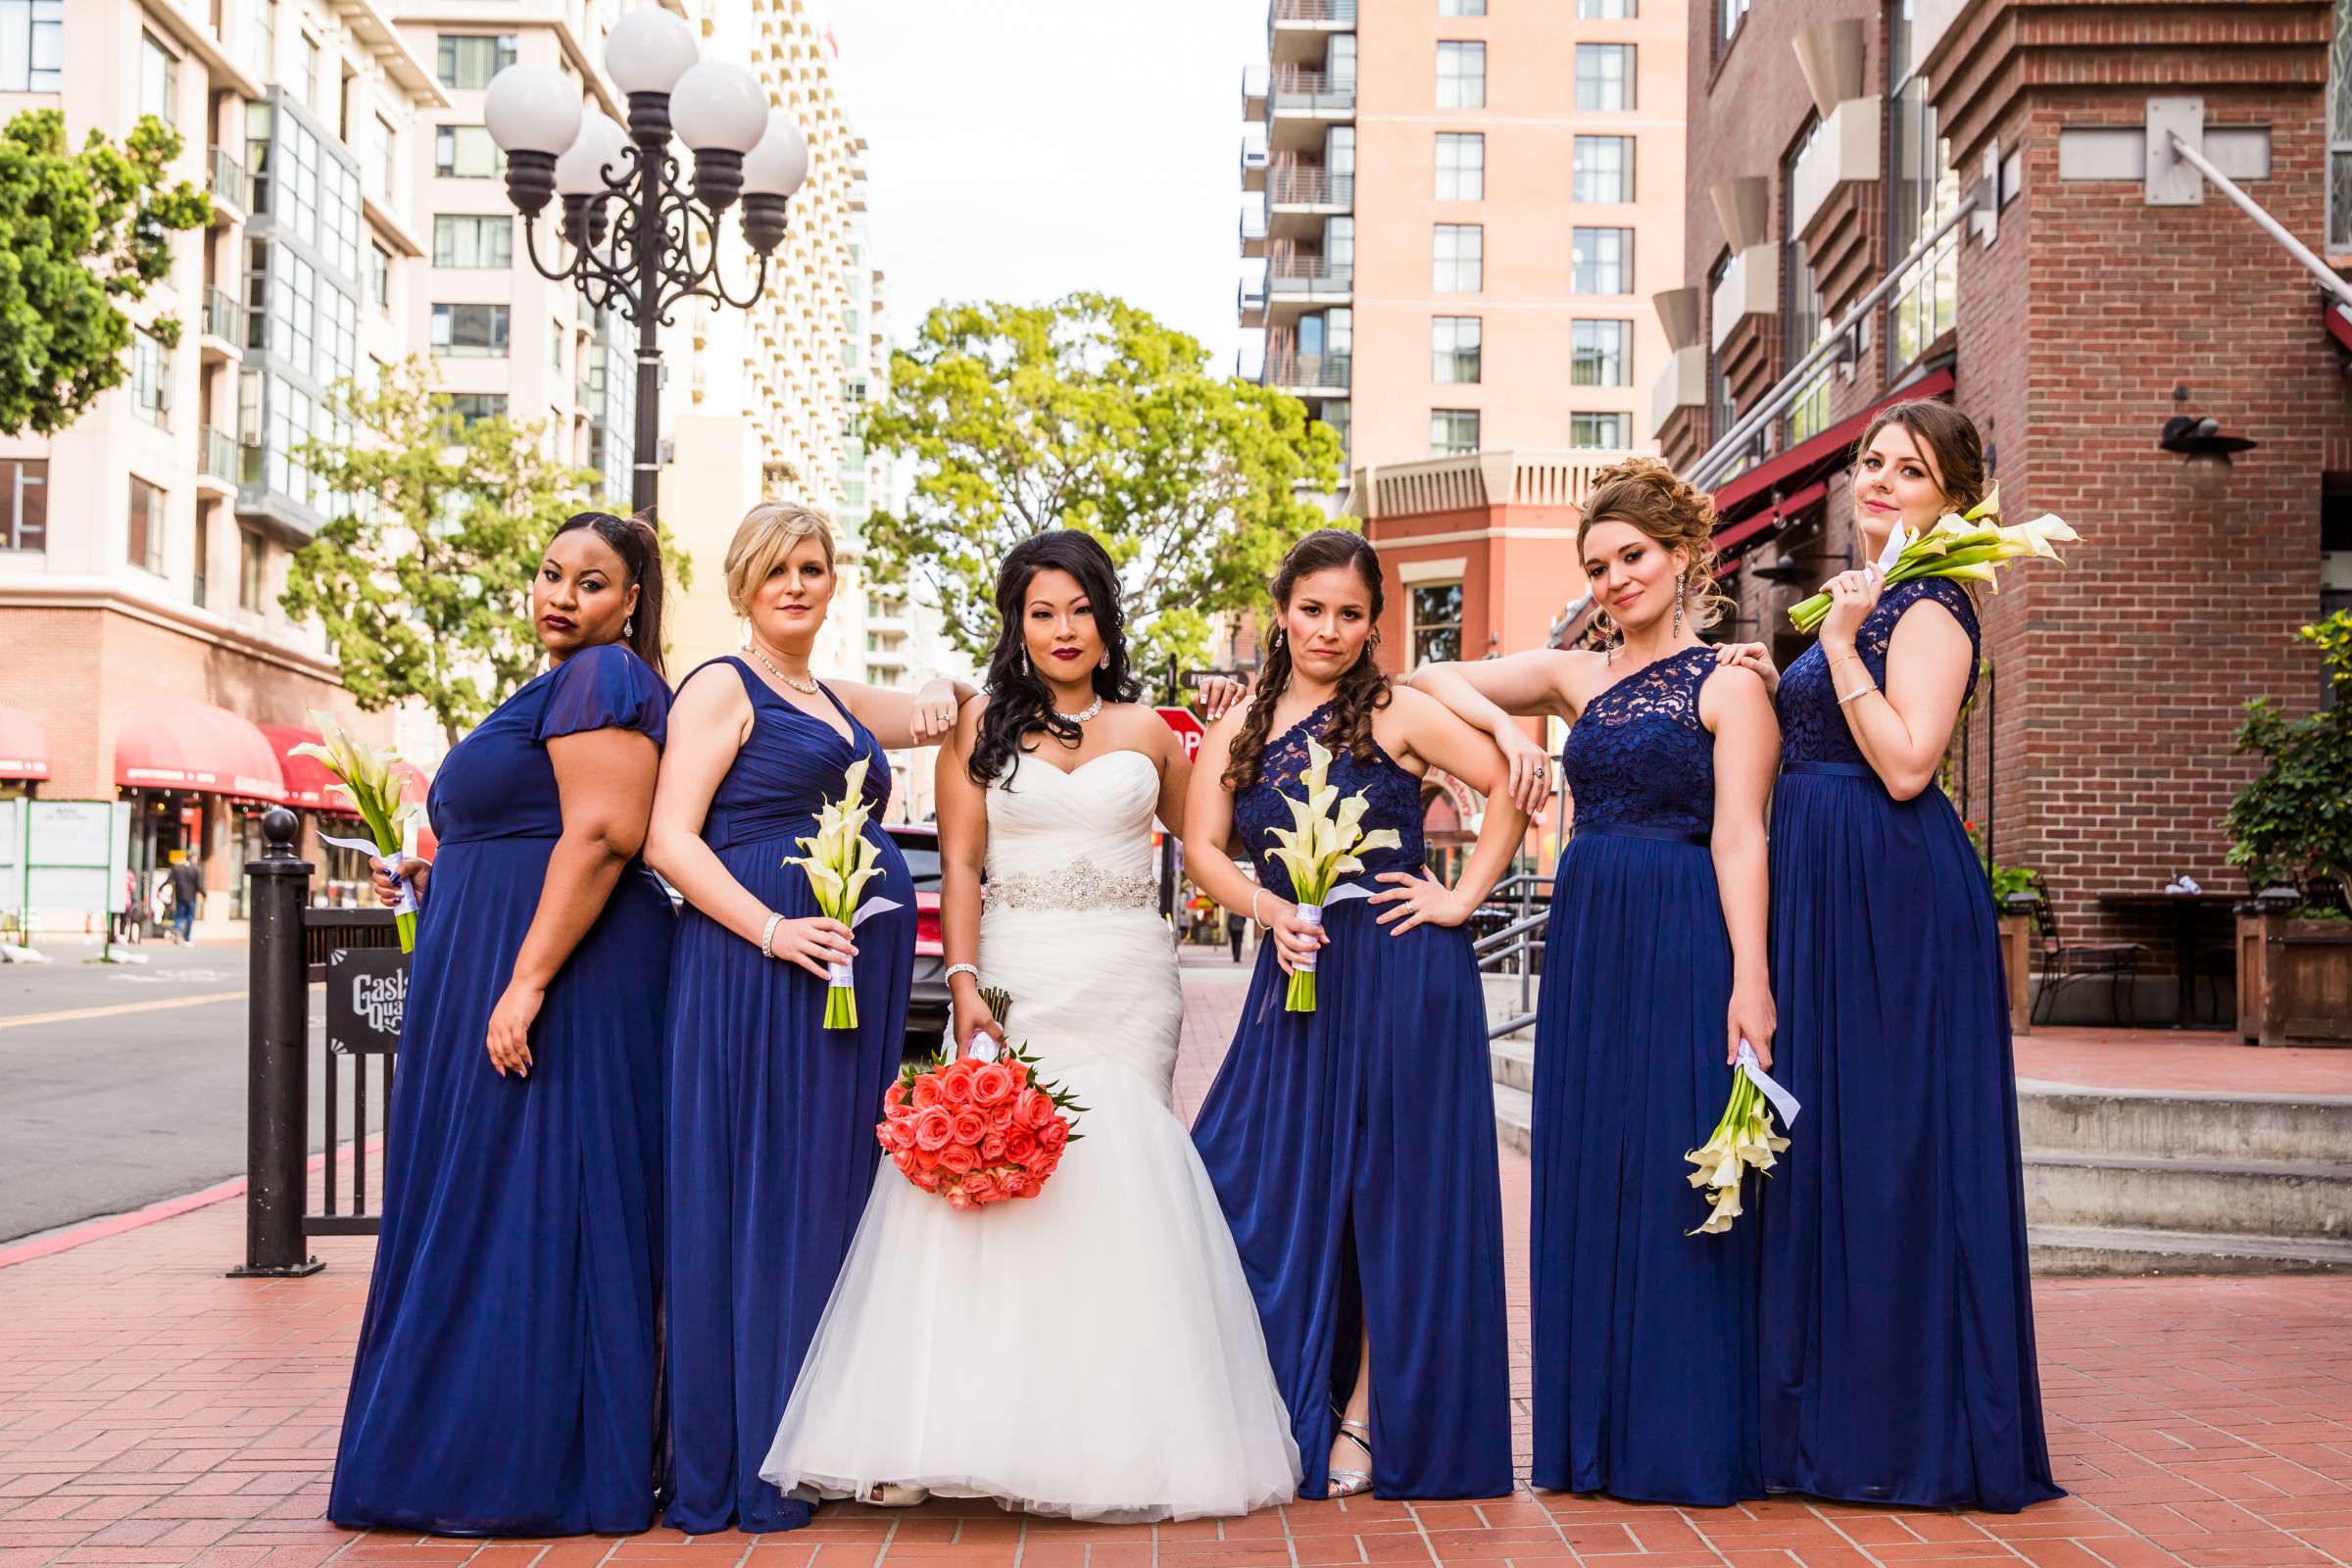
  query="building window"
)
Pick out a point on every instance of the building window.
point(1461, 76)
point(146, 547)
point(1461, 167)
point(1339, 415)
point(472, 407)
point(1921, 192)
point(313, 91)
point(1461, 8)
point(151, 380)
point(1603, 169)
point(1436, 622)
point(159, 79)
point(554, 347)
point(1454, 346)
point(1458, 258)
point(32, 45)
point(469, 241)
point(1608, 10)
point(466, 152)
point(1800, 305)
point(1452, 432)
point(1605, 76)
point(1603, 433)
point(24, 503)
point(1601, 353)
point(1729, 14)
point(2339, 131)
point(471, 62)
point(204, 550)
point(470, 331)
point(251, 555)
point(379, 277)
point(1603, 262)
point(379, 168)
point(1723, 412)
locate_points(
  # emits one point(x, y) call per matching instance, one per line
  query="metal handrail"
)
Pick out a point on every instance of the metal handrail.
point(224, 316)
point(228, 180)
point(222, 459)
point(1307, 274)
point(1306, 370)
point(1506, 934)
point(1309, 185)
point(1314, 11)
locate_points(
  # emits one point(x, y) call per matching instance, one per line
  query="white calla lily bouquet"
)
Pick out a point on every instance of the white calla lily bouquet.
point(1970, 546)
point(840, 862)
point(1742, 1141)
point(1324, 843)
point(365, 776)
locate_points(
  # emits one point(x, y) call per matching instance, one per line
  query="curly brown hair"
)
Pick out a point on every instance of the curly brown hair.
point(1362, 691)
point(1645, 493)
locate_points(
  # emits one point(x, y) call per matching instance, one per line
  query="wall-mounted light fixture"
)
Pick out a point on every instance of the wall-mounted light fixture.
point(2205, 451)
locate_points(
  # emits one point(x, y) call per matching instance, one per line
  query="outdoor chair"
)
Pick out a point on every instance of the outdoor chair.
point(2064, 963)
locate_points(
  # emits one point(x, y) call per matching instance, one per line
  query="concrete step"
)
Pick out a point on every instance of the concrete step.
point(2178, 1124)
point(2311, 1199)
point(2087, 1249)
point(1503, 1004)
point(1514, 1115)
point(1513, 1061)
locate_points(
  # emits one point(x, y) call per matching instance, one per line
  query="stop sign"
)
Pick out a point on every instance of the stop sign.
point(1188, 727)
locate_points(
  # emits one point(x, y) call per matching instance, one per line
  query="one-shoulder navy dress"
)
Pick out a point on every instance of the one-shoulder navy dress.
point(504, 1378)
point(771, 1114)
point(1897, 1336)
point(1354, 1153)
point(1645, 1336)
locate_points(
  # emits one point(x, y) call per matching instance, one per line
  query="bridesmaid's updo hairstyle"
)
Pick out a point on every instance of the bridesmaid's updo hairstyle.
point(1947, 436)
point(1645, 493)
point(1362, 691)
point(765, 536)
point(1018, 702)
point(639, 547)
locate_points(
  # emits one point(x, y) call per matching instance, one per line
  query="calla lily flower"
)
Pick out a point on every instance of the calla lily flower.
point(840, 860)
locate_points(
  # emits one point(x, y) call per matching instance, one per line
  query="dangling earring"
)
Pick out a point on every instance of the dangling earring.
point(1105, 662)
point(628, 627)
point(1678, 607)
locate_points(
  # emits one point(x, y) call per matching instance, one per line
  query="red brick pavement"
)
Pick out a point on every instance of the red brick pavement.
point(155, 1413)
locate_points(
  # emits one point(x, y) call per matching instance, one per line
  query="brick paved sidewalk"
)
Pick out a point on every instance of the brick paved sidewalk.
point(155, 1413)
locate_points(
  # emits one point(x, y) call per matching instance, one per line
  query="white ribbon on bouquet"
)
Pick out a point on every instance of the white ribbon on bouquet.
point(1782, 1099)
point(838, 975)
point(384, 862)
point(1311, 916)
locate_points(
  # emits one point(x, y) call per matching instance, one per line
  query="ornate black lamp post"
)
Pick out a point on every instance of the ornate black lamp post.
point(643, 260)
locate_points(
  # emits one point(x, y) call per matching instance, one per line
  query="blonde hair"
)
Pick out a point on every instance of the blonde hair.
point(1645, 493)
point(765, 536)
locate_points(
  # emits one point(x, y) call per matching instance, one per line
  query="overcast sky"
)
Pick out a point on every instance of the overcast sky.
point(1021, 149)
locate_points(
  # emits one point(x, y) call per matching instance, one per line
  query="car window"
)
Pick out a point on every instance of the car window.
point(922, 858)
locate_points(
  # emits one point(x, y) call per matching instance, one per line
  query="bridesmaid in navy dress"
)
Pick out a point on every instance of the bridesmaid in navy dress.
point(1655, 969)
point(771, 1115)
point(1352, 1148)
point(505, 1379)
point(1894, 1234)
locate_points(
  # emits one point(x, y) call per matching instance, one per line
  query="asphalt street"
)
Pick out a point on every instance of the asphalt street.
point(123, 1084)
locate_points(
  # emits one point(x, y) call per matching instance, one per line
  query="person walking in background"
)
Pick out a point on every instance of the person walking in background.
point(187, 885)
point(1235, 925)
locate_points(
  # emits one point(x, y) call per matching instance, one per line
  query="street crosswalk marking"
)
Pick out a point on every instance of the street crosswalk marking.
point(119, 1009)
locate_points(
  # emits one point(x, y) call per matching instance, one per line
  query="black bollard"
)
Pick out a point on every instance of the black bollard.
point(277, 1095)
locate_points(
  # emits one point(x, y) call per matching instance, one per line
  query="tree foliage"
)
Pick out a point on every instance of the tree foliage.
point(80, 233)
point(1089, 413)
point(2294, 822)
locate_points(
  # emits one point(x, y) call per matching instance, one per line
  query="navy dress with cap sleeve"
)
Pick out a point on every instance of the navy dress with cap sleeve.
point(506, 1370)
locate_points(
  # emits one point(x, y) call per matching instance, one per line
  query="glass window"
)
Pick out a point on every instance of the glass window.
point(471, 407)
point(1605, 76)
point(313, 90)
point(2339, 129)
point(1800, 306)
point(1437, 625)
point(1461, 167)
point(1340, 415)
point(339, 217)
point(1603, 169)
point(1608, 10)
point(1453, 348)
point(1727, 17)
point(251, 559)
point(466, 152)
point(1921, 192)
point(1603, 262)
point(1461, 76)
point(1339, 62)
point(471, 61)
point(146, 542)
point(1457, 264)
point(463, 240)
point(32, 45)
point(1601, 353)
point(1461, 8)
point(1452, 432)
point(1612, 432)
point(476, 331)
point(150, 380)
point(554, 347)
point(24, 503)
point(204, 549)
point(159, 80)
point(379, 277)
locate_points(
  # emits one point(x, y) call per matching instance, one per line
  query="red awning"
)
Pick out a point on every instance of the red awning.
point(308, 780)
point(1789, 471)
point(23, 745)
point(2339, 324)
point(174, 743)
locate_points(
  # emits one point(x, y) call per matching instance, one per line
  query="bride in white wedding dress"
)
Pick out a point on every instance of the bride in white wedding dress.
point(1093, 1351)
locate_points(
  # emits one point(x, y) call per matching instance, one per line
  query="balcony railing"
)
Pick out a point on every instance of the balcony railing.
point(222, 457)
point(1249, 299)
point(1308, 274)
point(1298, 90)
point(228, 181)
point(1289, 368)
point(1342, 11)
point(224, 317)
point(1308, 185)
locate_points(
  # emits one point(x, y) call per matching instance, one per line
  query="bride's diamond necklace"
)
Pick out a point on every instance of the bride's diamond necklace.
point(806, 685)
point(1082, 716)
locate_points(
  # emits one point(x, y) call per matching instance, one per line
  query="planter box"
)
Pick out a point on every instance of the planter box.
point(2017, 965)
point(2294, 980)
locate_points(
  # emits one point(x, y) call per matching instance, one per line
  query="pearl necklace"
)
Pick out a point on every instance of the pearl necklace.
point(1082, 716)
point(806, 685)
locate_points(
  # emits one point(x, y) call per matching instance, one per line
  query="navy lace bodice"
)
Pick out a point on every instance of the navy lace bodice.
point(1638, 756)
point(1395, 802)
point(1812, 729)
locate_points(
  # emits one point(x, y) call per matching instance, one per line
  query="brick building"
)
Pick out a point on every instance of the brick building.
point(2098, 288)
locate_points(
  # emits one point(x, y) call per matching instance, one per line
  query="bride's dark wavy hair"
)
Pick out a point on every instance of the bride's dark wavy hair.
point(1018, 702)
point(1362, 691)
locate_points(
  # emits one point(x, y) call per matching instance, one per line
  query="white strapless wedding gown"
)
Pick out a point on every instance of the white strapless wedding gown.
point(1093, 1351)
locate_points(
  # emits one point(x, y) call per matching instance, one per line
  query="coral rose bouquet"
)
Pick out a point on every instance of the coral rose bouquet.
point(977, 1131)
point(1323, 843)
point(840, 862)
point(1971, 547)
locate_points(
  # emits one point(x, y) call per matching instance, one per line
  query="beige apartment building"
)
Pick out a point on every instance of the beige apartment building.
point(1463, 207)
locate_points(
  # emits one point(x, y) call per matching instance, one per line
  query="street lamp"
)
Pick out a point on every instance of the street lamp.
point(645, 264)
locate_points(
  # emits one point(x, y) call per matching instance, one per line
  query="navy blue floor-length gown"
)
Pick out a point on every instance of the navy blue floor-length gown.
point(1899, 1361)
point(505, 1377)
point(1353, 1149)
point(771, 1115)
point(1645, 1336)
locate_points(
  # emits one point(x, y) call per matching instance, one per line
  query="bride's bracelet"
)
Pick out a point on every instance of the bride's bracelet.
point(955, 969)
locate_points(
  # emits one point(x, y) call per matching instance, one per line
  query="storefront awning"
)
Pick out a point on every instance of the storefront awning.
point(1747, 503)
point(174, 743)
point(2339, 322)
point(308, 781)
point(23, 745)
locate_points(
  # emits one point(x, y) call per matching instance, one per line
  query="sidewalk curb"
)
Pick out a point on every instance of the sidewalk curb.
point(107, 1225)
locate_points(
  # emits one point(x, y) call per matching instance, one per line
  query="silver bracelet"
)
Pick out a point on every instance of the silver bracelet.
point(1255, 895)
point(1857, 692)
point(955, 969)
point(768, 936)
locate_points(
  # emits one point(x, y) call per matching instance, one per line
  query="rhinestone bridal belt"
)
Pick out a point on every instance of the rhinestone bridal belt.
point(1079, 885)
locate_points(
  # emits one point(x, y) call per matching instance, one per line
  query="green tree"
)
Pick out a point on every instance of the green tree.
point(423, 585)
point(2294, 822)
point(79, 233)
point(1089, 413)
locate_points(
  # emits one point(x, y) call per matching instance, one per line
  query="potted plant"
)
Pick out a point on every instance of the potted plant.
point(2292, 825)
point(2011, 885)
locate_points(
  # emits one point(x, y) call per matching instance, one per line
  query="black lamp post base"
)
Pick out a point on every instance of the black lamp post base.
point(530, 181)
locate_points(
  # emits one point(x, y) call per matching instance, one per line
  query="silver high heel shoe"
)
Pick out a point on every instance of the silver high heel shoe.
point(1352, 1483)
